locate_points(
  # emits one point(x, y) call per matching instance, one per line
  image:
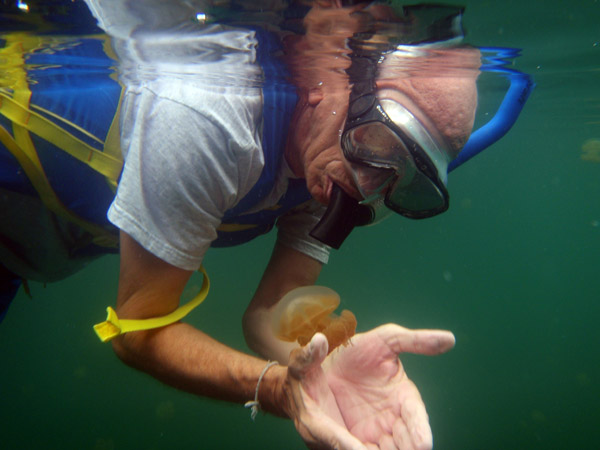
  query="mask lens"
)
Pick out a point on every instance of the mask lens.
point(383, 166)
point(377, 157)
point(421, 197)
point(371, 182)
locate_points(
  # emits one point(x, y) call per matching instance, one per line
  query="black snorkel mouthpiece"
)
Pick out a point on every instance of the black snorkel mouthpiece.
point(342, 215)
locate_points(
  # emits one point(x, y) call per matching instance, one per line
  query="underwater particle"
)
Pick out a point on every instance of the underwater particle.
point(583, 379)
point(28, 389)
point(463, 338)
point(104, 444)
point(595, 223)
point(165, 410)
point(466, 203)
point(447, 276)
point(538, 416)
point(80, 372)
point(590, 150)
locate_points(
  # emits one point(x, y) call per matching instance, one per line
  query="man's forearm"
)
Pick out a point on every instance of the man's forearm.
point(190, 360)
point(287, 270)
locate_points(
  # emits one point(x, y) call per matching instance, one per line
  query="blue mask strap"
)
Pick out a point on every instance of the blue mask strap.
point(521, 86)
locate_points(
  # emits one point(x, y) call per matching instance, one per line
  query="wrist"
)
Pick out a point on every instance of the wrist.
point(272, 394)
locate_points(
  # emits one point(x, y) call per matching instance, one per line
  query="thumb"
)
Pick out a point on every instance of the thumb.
point(304, 359)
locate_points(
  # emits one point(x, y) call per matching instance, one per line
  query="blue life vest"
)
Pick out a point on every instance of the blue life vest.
point(73, 86)
point(279, 100)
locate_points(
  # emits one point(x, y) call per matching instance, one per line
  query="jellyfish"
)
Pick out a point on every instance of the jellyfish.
point(307, 310)
point(590, 150)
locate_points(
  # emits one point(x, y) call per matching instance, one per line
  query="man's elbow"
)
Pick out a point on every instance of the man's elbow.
point(249, 329)
point(129, 348)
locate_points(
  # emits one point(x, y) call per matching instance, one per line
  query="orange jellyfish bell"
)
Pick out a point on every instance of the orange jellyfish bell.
point(307, 310)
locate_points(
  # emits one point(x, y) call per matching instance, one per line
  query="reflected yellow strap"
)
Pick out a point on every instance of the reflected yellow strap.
point(113, 326)
point(29, 161)
point(17, 109)
point(18, 112)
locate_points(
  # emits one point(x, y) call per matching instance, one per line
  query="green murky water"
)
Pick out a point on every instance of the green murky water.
point(513, 269)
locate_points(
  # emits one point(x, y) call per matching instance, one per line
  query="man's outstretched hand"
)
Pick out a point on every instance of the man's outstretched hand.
point(359, 396)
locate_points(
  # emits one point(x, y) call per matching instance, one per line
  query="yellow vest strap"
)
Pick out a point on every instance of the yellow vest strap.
point(113, 326)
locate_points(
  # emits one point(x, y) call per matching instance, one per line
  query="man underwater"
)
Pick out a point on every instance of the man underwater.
point(206, 167)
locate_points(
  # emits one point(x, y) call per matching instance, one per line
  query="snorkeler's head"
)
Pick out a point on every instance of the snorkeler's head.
point(409, 115)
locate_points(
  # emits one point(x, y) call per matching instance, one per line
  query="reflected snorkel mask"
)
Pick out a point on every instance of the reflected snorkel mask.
point(395, 160)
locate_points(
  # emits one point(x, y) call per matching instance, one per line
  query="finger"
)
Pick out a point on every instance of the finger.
point(414, 417)
point(401, 436)
point(324, 431)
point(387, 443)
point(303, 359)
point(424, 342)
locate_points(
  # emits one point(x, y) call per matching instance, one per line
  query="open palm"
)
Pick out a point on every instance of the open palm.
point(362, 388)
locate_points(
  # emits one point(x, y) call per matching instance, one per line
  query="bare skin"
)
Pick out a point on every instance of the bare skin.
point(313, 150)
point(363, 389)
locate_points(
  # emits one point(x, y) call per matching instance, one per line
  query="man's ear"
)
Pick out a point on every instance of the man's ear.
point(315, 96)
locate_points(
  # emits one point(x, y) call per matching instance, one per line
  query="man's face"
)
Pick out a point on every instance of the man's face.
point(443, 101)
point(317, 134)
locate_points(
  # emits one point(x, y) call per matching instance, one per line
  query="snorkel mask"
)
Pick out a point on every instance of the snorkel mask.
point(394, 161)
point(393, 157)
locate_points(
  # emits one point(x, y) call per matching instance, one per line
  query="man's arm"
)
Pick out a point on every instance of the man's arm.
point(287, 270)
point(188, 359)
point(179, 354)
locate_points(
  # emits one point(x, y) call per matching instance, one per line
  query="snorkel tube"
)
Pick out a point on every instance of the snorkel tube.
point(342, 215)
point(514, 100)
